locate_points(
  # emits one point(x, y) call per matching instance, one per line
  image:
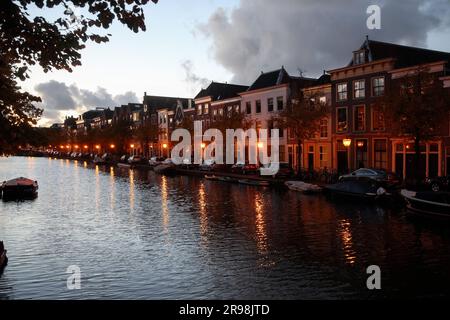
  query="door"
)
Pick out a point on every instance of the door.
point(342, 160)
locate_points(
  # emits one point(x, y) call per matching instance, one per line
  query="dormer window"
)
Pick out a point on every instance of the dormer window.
point(360, 57)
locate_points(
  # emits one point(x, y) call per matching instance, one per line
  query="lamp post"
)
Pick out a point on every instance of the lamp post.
point(164, 148)
point(347, 142)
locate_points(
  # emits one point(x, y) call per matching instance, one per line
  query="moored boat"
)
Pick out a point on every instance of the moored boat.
point(260, 183)
point(303, 187)
point(211, 177)
point(3, 257)
point(427, 203)
point(227, 179)
point(165, 169)
point(363, 188)
point(19, 188)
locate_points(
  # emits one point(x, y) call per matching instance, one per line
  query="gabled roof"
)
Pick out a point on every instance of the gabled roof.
point(221, 91)
point(405, 56)
point(91, 114)
point(158, 102)
point(270, 79)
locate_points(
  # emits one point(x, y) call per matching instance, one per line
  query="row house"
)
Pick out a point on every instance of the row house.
point(360, 137)
point(269, 95)
point(164, 113)
point(317, 152)
point(216, 101)
point(85, 120)
point(103, 120)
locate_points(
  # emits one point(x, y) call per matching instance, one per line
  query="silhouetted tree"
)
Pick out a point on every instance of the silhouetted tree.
point(27, 40)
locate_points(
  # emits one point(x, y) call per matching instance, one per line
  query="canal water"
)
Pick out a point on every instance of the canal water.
point(137, 235)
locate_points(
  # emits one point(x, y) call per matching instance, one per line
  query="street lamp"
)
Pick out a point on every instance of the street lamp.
point(85, 146)
point(260, 145)
point(347, 142)
point(132, 146)
point(203, 145)
point(112, 146)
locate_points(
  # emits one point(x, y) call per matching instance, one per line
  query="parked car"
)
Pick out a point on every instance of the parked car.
point(438, 183)
point(207, 165)
point(237, 168)
point(284, 171)
point(250, 169)
point(375, 174)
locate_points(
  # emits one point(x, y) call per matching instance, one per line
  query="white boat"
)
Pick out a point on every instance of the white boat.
point(304, 187)
point(427, 203)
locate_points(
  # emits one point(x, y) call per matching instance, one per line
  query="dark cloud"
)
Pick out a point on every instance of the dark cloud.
point(312, 35)
point(195, 82)
point(59, 98)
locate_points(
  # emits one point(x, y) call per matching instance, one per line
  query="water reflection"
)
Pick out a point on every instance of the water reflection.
point(184, 237)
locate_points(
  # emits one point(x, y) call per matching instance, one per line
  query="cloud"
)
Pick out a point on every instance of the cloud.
point(312, 35)
point(59, 99)
point(195, 82)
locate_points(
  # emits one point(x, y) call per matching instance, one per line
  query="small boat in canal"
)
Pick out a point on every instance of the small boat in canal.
point(165, 168)
point(427, 203)
point(19, 188)
point(211, 177)
point(227, 179)
point(303, 187)
point(259, 183)
point(3, 257)
point(361, 188)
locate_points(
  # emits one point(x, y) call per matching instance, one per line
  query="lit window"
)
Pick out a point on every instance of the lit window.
point(360, 118)
point(342, 121)
point(378, 123)
point(323, 158)
point(206, 111)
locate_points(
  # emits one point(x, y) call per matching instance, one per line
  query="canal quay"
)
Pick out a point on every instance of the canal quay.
point(138, 235)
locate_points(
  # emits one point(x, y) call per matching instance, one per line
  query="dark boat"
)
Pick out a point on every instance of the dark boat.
point(427, 203)
point(19, 188)
point(3, 257)
point(227, 179)
point(211, 177)
point(364, 189)
point(259, 183)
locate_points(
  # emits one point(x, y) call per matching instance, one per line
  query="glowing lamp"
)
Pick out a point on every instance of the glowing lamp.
point(347, 142)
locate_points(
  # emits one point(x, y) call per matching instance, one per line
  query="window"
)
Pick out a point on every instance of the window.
point(378, 86)
point(380, 154)
point(360, 118)
point(359, 90)
point(248, 107)
point(199, 110)
point(237, 108)
point(206, 111)
point(324, 128)
point(360, 57)
point(280, 103)
point(361, 154)
point(342, 91)
point(377, 120)
point(282, 153)
point(323, 100)
point(230, 111)
point(270, 104)
point(323, 159)
point(342, 121)
point(258, 106)
point(221, 111)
